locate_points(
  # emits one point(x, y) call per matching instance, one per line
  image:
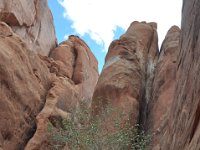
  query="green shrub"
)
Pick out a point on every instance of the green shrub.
point(83, 133)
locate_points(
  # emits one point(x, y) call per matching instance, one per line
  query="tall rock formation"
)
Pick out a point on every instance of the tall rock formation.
point(32, 21)
point(69, 89)
point(79, 63)
point(163, 87)
point(183, 126)
point(169, 103)
point(128, 65)
point(161, 92)
point(36, 90)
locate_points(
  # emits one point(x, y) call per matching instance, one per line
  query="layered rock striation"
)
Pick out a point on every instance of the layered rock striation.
point(163, 87)
point(183, 126)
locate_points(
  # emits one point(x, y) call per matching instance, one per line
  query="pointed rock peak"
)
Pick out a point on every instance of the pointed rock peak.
point(78, 40)
point(171, 40)
point(75, 37)
point(154, 25)
point(174, 29)
point(73, 40)
point(143, 31)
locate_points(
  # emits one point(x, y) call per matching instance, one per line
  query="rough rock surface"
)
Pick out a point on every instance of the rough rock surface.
point(183, 125)
point(24, 82)
point(54, 112)
point(163, 86)
point(122, 80)
point(75, 65)
point(35, 90)
point(32, 21)
point(162, 93)
point(79, 63)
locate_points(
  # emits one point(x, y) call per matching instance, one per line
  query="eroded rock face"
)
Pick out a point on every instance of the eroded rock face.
point(163, 87)
point(76, 73)
point(24, 82)
point(183, 130)
point(162, 92)
point(36, 90)
point(122, 80)
point(80, 65)
point(32, 21)
point(61, 98)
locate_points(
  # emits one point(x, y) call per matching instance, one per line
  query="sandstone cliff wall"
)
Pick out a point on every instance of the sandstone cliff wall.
point(183, 126)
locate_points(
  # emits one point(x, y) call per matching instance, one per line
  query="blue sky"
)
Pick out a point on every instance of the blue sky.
point(63, 29)
point(98, 22)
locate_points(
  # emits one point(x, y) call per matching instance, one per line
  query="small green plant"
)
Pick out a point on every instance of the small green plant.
point(83, 133)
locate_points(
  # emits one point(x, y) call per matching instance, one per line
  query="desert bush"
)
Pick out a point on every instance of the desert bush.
point(83, 133)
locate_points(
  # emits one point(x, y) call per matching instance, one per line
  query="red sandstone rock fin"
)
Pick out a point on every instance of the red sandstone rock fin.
point(121, 81)
point(163, 86)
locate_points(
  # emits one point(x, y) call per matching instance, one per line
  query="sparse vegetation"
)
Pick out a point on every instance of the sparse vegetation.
point(83, 133)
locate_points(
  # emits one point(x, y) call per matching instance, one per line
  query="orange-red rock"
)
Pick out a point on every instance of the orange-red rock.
point(122, 80)
point(24, 82)
point(60, 100)
point(32, 21)
point(161, 93)
point(163, 87)
point(183, 126)
point(76, 70)
point(34, 89)
point(80, 65)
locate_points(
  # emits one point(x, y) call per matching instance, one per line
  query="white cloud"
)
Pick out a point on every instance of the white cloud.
point(99, 18)
point(66, 37)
